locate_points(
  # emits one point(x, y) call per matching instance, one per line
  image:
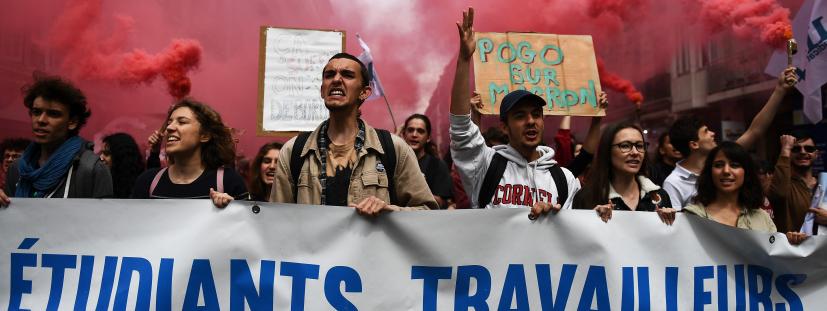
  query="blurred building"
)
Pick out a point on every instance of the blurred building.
point(720, 78)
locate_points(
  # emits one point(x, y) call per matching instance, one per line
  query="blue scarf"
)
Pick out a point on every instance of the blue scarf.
point(35, 182)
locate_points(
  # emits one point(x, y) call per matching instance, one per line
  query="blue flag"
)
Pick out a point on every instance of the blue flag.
point(367, 58)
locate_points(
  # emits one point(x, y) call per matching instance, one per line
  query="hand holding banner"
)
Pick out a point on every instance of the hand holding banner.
point(186, 254)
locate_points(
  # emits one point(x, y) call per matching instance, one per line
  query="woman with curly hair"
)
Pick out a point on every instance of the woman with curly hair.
point(729, 192)
point(263, 171)
point(198, 147)
point(122, 156)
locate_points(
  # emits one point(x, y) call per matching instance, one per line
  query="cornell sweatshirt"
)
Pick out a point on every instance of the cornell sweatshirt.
point(522, 184)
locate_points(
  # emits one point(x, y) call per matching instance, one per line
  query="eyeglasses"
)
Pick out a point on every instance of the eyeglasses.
point(807, 149)
point(626, 146)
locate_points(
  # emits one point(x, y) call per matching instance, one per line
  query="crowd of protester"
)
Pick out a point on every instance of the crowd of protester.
point(346, 162)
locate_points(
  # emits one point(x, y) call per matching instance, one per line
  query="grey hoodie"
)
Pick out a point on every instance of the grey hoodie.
point(523, 182)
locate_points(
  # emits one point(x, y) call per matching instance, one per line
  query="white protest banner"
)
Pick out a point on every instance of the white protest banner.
point(290, 77)
point(188, 255)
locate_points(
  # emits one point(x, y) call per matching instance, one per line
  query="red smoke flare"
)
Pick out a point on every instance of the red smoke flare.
point(762, 19)
point(617, 83)
point(89, 54)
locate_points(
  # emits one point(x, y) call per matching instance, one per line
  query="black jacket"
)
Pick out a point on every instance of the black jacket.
point(90, 177)
point(654, 198)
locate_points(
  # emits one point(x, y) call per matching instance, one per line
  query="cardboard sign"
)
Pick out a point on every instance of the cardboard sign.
point(290, 75)
point(561, 69)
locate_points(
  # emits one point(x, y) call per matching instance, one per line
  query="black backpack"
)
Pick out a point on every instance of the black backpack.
point(495, 174)
point(388, 160)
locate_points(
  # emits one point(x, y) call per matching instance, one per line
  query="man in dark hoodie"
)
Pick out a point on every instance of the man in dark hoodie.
point(58, 164)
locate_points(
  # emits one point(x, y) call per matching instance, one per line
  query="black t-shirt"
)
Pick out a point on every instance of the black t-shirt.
point(198, 189)
point(337, 187)
point(437, 176)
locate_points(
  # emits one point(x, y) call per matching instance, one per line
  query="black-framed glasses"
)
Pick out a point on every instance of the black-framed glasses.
point(807, 149)
point(626, 146)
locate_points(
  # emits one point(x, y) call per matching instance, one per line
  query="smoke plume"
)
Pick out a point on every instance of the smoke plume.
point(764, 20)
point(614, 82)
point(90, 54)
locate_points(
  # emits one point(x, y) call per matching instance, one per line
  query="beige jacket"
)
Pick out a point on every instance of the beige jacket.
point(752, 219)
point(411, 189)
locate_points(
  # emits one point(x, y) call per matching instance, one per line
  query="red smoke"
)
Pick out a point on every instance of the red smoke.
point(91, 55)
point(617, 83)
point(173, 64)
point(413, 43)
point(765, 20)
point(621, 9)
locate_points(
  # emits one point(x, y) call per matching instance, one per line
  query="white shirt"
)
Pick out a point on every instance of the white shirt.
point(681, 185)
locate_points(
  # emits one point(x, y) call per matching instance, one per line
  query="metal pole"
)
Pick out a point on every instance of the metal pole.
point(390, 112)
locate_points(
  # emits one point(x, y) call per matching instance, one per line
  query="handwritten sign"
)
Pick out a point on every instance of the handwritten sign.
point(560, 69)
point(290, 75)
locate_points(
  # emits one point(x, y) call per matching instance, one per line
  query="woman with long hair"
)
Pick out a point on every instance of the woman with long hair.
point(417, 133)
point(729, 192)
point(263, 171)
point(617, 180)
point(200, 149)
point(121, 154)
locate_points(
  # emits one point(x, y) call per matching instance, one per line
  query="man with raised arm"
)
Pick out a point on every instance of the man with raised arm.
point(694, 140)
point(521, 174)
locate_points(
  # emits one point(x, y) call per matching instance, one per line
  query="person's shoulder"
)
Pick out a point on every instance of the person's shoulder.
point(147, 175)
point(566, 172)
point(287, 148)
point(234, 183)
point(759, 213)
point(400, 146)
point(695, 209)
point(231, 174)
point(672, 180)
point(88, 158)
point(140, 190)
point(674, 175)
point(398, 142)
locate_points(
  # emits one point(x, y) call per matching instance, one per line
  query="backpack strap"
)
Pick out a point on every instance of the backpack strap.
point(296, 161)
point(219, 179)
point(389, 161)
point(492, 178)
point(495, 174)
point(155, 181)
point(560, 181)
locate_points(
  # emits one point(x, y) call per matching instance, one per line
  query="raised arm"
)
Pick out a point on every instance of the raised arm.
point(461, 91)
point(476, 107)
point(593, 136)
point(762, 120)
point(782, 176)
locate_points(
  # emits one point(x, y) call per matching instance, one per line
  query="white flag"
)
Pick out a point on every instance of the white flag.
point(810, 30)
point(367, 59)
